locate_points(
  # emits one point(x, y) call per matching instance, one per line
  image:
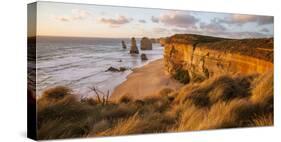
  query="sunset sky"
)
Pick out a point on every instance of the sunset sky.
point(60, 19)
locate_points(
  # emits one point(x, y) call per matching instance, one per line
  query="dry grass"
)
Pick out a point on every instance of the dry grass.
point(224, 101)
point(131, 125)
point(189, 118)
point(56, 95)
point(263, 120)
point(262, 89)
point(231, 114)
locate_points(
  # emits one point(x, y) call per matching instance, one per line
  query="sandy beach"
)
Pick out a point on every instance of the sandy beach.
point(146, 81)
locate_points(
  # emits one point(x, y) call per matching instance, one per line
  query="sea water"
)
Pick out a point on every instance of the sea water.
point(81, 63)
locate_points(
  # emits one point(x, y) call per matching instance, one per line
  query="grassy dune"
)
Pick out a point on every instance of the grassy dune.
point(224, 101)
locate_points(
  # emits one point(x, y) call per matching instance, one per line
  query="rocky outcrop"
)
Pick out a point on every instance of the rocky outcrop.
point(113, 69)
point(146, 44)
point(198, 57)
point(134, 48)
point(143, 57)
point(124, 45)
point(162, 41)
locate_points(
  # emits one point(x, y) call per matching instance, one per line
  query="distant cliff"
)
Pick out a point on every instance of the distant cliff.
point(196, 57)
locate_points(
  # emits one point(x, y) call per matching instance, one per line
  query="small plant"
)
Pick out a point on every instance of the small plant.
point(105, 97)
point(57, 92)
point(56, 95)
point(90, 101)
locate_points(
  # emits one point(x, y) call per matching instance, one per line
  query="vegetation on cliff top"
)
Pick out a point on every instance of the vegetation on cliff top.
point(192, 39)
point(261, 48)
point(224, 101)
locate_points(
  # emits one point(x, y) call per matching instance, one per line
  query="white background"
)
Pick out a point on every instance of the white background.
point(13, 70)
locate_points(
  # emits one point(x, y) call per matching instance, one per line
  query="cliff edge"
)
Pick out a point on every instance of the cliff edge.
point(190, 57)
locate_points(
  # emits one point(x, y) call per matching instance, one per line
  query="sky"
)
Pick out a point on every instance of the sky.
point(83, 20)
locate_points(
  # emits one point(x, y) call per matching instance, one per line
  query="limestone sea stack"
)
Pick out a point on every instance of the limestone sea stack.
point(134, 48)
point(124, 44)
point(146, 44)
point(143, 57)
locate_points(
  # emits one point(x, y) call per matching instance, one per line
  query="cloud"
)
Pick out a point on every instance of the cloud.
point(154, 19)
point(237, 35)
point(79, 14)
point(76, 14)
point(161, 31)
point(63, 18)
point(120, 20)
point(103, 13)
point(142, 21)
point(216, 27)
point(239, 19)
point(181, 23)
point(184, 31)
point(177, 30)
point(213, 26)
point(179, 19)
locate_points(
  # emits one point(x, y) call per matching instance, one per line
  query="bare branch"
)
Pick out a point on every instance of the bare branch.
point(105, 97)
point(96, 92)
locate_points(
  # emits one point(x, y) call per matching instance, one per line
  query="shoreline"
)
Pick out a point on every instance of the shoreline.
point(145, 81)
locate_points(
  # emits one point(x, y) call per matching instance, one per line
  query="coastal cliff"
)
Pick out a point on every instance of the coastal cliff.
point(200, 57)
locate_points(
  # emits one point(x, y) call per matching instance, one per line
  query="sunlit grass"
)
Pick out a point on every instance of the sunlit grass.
point(224, 101)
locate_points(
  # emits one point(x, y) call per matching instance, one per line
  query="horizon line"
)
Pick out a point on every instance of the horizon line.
point(88, 36)
point(142, 36)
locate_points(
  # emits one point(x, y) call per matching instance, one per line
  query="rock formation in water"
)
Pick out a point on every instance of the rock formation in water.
point(113, 69)
point(199, 57)
point(143, 57)
point(124, 44)
point(134, 48)
point(146, 44)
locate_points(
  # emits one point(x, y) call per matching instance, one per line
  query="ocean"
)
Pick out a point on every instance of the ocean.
point(81, 63)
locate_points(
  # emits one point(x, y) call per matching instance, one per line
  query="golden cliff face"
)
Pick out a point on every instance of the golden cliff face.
point(204, 58)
